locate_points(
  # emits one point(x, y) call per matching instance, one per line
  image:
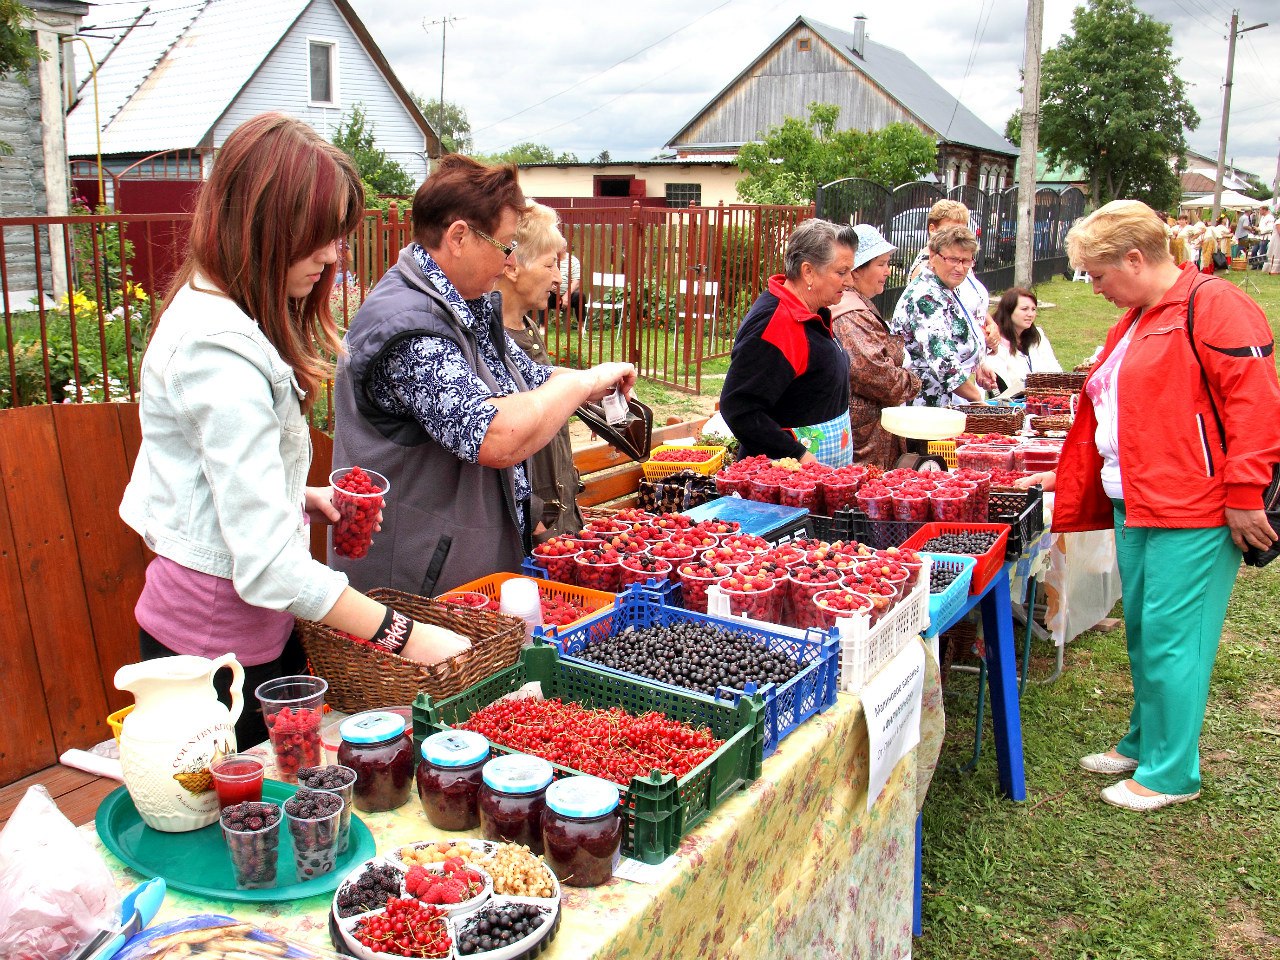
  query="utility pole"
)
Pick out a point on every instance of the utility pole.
point(1226, 108)
point(1030, 144)
point(443, 24)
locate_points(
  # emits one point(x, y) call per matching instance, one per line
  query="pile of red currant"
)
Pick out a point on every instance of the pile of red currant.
point(407, 928)
point(610, 744)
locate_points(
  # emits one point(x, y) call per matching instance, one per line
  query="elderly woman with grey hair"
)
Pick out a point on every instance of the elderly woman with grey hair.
point(787, 390)
point(945, 342)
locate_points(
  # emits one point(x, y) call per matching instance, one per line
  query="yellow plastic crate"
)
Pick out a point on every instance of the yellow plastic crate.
point(946, 449)
point(116, 720)
point(665, 468)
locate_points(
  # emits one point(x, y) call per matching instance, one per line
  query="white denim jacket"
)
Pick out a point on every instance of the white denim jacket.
point(218, 485)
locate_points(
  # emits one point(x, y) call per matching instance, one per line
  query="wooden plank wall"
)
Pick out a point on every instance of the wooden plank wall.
point(70, 574)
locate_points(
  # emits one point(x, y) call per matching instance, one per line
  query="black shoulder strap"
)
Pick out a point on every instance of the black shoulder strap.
point(1191, 336)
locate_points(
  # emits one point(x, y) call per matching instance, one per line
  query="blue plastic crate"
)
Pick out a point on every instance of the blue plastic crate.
point(944, 606)
point(810, 691)
point(668, 589)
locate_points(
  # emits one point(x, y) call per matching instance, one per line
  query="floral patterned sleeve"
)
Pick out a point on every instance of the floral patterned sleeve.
point(931, 328)
point(430, 379)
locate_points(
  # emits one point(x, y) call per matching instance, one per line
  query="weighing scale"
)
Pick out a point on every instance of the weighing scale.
point(919, 425)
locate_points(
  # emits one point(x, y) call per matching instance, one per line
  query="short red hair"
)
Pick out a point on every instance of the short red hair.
point(278, 192)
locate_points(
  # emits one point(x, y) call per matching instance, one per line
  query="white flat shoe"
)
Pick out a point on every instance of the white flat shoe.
point(1118, 795)
point(1102, 763)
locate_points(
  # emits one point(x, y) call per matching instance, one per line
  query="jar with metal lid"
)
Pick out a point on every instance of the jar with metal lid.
point(582, 830)
point(512, 797)
point(449, 778)
point(378, 747)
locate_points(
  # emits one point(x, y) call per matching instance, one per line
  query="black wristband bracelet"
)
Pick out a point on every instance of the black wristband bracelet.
point(393, 634)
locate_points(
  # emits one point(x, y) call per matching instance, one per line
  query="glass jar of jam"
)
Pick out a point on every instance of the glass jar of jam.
point(512, 797)
point(378, 747)
point(582, 830)
point(449, 778)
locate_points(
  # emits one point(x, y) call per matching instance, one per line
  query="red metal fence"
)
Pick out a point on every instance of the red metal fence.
point(661, 287)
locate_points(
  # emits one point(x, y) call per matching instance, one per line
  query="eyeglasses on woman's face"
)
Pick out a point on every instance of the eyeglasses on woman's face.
point(957, 263)
point(507, 250)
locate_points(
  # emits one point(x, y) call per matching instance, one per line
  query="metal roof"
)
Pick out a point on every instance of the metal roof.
point(166, 74)
point(166, 82)
point(723, 161)
point(903, 80)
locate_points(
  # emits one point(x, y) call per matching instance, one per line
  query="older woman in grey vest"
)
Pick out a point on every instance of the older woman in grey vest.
point(432, 393)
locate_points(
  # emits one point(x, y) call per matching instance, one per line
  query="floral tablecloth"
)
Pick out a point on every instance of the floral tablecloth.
point(792, 866)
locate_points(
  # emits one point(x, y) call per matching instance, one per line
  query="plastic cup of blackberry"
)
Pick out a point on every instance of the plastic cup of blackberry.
point(334, 778)
point(315, 818)
point(252, 832)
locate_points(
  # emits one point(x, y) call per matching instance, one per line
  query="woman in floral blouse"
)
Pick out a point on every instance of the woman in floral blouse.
point(877, 377)
point(945, 344)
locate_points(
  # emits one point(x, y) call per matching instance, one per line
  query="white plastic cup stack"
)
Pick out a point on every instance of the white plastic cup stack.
point(519, 598)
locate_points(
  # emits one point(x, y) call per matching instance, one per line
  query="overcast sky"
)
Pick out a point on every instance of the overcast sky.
point(586, 76)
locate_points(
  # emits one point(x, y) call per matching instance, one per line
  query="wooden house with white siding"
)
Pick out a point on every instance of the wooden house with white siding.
point(873, 85)
point(174, 78)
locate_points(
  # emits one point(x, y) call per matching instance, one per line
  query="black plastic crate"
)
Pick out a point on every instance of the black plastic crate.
point(1023, 511)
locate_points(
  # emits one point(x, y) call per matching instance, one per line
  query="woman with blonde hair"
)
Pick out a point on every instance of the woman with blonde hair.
point(237, 359)
point(527, 279)
point(1175, 435)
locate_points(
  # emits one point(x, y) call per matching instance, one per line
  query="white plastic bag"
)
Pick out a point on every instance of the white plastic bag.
point(55, 891)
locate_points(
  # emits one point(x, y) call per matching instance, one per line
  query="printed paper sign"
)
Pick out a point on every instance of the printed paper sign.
point(891, 701)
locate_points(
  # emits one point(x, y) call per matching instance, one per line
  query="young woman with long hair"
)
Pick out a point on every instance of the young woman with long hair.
point(1023, 346)
point(234, 365)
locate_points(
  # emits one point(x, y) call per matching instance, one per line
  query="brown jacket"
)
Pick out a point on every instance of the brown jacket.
point(877, 377)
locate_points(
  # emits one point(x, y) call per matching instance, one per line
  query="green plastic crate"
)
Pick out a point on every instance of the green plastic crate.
point(659, 809)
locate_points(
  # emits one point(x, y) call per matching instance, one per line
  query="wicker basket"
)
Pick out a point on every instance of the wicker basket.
point(1047, 425)
point(1056, 381)
point(362, 678)
point(988, 418)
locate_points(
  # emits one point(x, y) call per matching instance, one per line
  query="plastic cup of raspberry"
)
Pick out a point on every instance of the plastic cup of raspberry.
point(358, 496)
point(292, 708)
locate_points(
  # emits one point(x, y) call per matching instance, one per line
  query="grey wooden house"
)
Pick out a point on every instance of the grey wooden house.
point(873, 85)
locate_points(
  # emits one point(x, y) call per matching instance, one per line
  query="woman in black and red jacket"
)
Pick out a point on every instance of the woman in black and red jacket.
point(787, 390)
point(1146, 455)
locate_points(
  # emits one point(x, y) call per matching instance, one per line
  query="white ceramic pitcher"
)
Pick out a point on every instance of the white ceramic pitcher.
point(177, 728)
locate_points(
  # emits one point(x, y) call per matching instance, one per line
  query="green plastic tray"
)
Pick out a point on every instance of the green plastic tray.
point(659, 809)
point(198, 862)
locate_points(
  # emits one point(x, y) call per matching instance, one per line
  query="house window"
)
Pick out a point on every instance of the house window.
point(322, 66)
point(684, 194)
point(802, 44)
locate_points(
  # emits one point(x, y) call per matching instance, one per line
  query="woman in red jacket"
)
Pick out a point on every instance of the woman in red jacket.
point(1146, 455)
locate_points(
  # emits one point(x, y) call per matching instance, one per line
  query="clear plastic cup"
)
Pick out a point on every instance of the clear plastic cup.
point(315, 838)
point(832, 604)
point(292, 708)
point(237, 778)
point(519, 597)
point(346, 791)
point(358, 511)
point(254, 844)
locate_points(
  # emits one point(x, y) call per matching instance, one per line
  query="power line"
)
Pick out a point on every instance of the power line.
point(979, 31)
point(601, 73)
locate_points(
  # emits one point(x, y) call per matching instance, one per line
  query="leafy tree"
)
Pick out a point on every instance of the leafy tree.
point(602, 157)
point(18, 49)
point(530, 152)
point(355, 136)
point(452, 127)
point(1113, 104)
point(798, 156)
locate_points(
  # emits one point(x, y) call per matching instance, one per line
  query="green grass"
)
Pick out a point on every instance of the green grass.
point(1066, 877)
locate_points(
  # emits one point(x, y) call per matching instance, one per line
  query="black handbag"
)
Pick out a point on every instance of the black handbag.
point(1271, 495)
point(1219, 260)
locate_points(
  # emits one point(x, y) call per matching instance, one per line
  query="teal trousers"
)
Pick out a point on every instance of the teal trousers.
point(1175, 584)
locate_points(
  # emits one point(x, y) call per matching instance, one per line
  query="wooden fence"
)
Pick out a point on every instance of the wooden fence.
point(70, 573)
